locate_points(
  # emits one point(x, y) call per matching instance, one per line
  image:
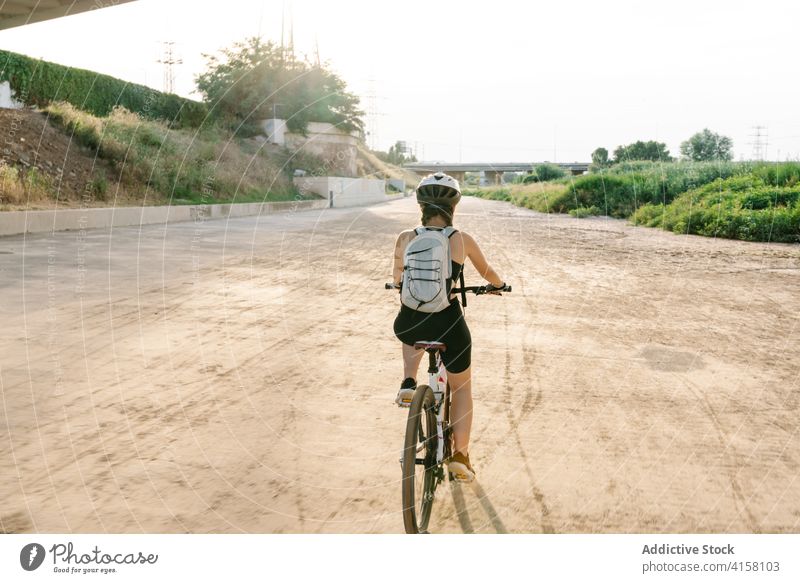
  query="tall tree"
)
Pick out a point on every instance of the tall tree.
point(398, 154)
point(650, 150)
point(600, 157)
point(706, 146)
point(254, 80)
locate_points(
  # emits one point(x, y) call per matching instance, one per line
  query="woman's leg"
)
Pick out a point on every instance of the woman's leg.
point(411, 359)
point(460, 408)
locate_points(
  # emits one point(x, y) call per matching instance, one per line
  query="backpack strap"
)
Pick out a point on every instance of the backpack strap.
point(447, 231)
point(463, 293)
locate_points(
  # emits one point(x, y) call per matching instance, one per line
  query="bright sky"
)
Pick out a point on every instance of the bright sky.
point(494, 80)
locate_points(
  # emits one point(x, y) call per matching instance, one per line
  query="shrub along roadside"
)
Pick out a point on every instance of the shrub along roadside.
point(622, 189)
point(746, 208)
point(541, 196)
point(748, 201)
point(583, 212)
point(544, 173)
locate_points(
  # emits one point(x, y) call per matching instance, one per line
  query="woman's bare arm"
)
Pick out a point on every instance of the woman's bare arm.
point(473, 251)
point(399, 249)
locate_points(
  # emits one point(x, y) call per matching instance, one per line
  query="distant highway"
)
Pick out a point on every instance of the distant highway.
point(492, 170)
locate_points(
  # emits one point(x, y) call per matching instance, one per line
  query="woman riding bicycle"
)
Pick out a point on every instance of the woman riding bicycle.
point(437, 195)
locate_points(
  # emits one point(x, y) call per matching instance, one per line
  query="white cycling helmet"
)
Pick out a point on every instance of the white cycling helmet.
point(439, 188)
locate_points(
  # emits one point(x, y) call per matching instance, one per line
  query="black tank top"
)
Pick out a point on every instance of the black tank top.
point(455, 269)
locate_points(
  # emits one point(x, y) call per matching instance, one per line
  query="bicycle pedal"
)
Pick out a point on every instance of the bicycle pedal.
point(460, 477)
point(404, 398)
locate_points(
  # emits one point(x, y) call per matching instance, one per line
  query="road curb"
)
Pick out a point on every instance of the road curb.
point(19, 222)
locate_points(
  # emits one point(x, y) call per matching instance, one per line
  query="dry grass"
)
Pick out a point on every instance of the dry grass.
point(19, 187)
point(374, 167)
point(206, 165)
point(539, 196)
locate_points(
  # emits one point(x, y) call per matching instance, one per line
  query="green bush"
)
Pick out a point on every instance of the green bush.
point(616, 195)
point(623, 188)
point(40, 83)
point(767, 197)
point(503, 194)
point(544, 173)
point(583, 212)
point(738, 200)
point(542, 197)
point(742, 207)
point(98, 186)
point(781, 174)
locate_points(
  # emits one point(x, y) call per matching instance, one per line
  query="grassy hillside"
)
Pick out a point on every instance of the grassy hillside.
point(66, 157)
point(372, 166)
point(39, 83)
point(94, 139)
point(182, 166)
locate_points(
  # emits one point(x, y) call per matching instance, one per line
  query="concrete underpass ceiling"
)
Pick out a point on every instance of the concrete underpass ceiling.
point(21, 12)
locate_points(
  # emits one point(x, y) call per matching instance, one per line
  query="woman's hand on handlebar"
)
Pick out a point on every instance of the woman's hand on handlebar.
point(496, 290)
point(480, 290)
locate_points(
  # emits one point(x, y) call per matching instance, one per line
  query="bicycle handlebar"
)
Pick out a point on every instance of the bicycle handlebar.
point(475, 289)
point(479, 289)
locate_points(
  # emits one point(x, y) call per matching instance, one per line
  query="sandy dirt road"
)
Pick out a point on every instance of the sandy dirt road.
point(238, 377)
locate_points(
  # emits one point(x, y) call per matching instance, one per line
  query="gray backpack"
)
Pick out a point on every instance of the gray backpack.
point(427, 269)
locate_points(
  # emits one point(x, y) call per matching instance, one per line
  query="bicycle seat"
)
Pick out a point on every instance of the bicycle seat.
point(430, 345)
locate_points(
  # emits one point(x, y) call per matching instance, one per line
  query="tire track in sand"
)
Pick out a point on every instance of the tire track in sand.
point(731, 460)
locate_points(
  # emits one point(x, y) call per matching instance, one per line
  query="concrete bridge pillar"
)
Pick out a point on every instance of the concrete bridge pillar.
point(494, 176)
point(460, 176)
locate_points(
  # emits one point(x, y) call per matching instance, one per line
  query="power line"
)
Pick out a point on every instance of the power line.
point(169, 60)
point(760, 142)
point(372, 113)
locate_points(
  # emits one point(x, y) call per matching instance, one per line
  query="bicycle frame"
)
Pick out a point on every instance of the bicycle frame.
point(437, 381)
point(429, 410)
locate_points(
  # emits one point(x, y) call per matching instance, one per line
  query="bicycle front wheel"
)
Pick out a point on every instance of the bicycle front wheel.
point(419, 461)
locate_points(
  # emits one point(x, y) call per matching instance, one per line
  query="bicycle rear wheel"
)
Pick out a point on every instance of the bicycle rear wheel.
point(419, 461)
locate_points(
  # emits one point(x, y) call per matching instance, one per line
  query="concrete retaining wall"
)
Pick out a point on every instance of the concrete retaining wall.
point(338, 150)
point(18, 222)
point(7, 99)
point(345, 192)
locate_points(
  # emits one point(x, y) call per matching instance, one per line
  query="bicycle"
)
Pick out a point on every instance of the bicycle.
point(428, 432)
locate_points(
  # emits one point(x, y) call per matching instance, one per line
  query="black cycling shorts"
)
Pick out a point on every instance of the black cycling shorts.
point(447, 326)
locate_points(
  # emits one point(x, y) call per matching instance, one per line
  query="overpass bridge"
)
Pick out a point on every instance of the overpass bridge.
point(492, 170)
point(23, 12)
